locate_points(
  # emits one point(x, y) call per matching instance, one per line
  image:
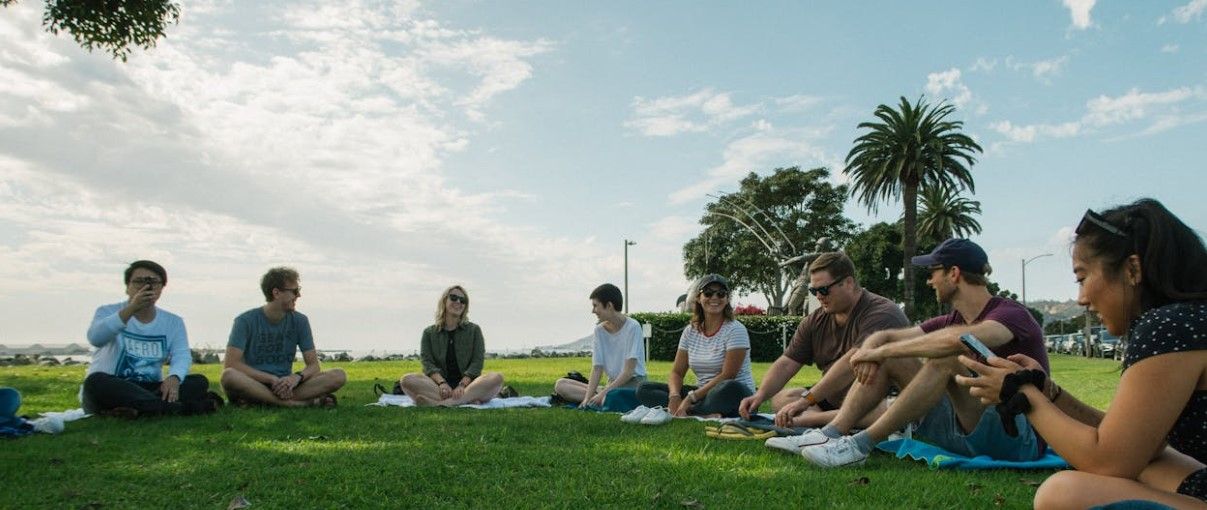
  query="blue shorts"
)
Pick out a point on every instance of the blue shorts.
point(941, 428)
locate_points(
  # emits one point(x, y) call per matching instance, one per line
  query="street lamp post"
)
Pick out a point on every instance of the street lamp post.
point(627, 297)
point(1025, 262)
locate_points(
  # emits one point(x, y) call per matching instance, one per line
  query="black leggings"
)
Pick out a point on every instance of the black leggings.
point(1195, 485)
point(103, 392)
point(723, 399)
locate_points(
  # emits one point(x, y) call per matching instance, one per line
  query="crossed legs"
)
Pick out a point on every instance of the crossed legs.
point(424, 391)
point(314, 391)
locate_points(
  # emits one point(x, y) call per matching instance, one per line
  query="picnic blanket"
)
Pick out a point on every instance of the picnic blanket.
point(388, 400)
point(936, 457)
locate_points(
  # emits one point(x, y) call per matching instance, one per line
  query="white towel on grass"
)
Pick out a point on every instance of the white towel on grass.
point(494, 403)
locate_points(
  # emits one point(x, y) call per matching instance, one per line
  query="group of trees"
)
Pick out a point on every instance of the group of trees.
point(912, 153)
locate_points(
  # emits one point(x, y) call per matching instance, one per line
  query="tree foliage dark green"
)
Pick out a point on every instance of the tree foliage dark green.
point(876, 253)
point(944, 214)
point(908, 148)
point(795, 208)
point(114, 26)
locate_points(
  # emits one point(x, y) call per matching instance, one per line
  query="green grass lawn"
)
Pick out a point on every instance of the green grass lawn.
point(372, 457)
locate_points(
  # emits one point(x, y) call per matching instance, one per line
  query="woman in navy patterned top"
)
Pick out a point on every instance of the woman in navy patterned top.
point(1145, 273)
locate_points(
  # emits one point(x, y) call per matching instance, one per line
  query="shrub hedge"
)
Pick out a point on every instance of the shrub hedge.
point(768, 334)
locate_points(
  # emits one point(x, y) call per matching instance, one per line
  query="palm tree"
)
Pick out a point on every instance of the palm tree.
point(907, 148)
point(944, 213)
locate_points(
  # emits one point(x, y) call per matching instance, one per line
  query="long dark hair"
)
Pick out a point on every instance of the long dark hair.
point(1173, 261)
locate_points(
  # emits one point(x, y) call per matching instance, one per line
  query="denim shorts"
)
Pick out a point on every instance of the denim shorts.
point(941, 428)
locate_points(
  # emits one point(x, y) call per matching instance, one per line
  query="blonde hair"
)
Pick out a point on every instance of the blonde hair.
point(443, 303)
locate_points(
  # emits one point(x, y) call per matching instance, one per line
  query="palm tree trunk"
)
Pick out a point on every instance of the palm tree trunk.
point(909, 243)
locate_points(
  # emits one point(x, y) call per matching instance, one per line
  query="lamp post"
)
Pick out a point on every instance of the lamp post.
point(627, 297)
point(1025, 262)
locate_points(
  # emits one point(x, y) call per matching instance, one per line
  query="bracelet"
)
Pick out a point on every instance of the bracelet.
point(1059, 391)
point(1013, 401)
point(300, 376)
point(691, 396)
point(808, 396)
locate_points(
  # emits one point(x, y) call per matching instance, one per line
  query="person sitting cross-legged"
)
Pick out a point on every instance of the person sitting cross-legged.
point(262, 346)
point(618, 350)
point(453, 353)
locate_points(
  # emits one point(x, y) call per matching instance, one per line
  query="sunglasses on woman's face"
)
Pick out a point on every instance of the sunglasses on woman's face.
point(458, 299)
point(714, 293)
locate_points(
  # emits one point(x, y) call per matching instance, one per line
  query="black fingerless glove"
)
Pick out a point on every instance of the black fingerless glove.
point(1014, 403)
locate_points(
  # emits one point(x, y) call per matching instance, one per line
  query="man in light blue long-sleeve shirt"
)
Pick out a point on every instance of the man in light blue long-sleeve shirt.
point(133, 339)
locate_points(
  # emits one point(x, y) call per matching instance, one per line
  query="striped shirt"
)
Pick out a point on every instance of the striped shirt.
point(706, 354)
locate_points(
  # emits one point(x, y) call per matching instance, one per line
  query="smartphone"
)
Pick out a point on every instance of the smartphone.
point(979, 351)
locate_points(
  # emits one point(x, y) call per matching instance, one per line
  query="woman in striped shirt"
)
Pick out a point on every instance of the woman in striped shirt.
point(714, 346)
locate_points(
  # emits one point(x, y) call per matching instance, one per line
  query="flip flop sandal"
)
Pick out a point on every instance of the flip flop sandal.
point(739, 432)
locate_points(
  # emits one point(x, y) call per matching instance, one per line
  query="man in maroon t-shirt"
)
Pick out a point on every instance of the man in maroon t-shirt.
point(946, 415)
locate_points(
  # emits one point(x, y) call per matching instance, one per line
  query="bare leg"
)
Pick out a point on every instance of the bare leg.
point(784, 397)
point(1158, 482)
point(325, 382)
point(569, 389)
point(484, 388)
point(862, 399)
point(420, 388)
point(240, 386)
point(814, 417)
point(919, 396)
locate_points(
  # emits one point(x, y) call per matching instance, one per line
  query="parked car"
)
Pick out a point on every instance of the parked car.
point(1073, 344)
point(1052, 342)
point(1107, 345)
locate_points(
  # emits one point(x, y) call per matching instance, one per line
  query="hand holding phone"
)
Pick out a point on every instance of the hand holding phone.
point(978, 348)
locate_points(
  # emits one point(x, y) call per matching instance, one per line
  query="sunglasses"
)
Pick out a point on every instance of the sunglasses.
point(154, 282)
point(458, 299)
point(824, 290)
point(297, 291)
point(714, 293)
point(1095, 219)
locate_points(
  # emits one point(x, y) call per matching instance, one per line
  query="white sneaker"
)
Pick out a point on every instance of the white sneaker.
point(48, 424)
point(834, 453)
point(635, 415)
point(793, 444)
point(656, 416)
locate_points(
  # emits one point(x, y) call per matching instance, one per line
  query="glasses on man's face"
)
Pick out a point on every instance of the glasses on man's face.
point(458, 299)
point(714, 293)
point(296, 291)
point(153, 282)
point(824, 290)
point(1095, 219)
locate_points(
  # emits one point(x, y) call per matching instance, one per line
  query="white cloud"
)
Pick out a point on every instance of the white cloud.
point(1080, 11)
point(983, 64)
point(760, 151)
point(797, 103)
point(1170, 48)
point(1042, 70)
point(947, 84)
point(1105, 111)
point(1186, 13)
point(693, 113)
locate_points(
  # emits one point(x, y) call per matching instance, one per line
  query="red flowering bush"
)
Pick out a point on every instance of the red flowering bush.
point(749, 310)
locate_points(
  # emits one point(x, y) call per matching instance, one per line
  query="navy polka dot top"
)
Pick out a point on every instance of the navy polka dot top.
point(1177, 327)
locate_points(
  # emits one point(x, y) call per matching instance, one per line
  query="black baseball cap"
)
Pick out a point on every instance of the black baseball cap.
point(960, 253)
point(711, 279)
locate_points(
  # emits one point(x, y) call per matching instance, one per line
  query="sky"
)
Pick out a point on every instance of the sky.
point(388, 150)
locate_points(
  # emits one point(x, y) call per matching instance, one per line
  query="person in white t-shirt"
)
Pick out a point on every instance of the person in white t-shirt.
point(714, 346)
point(618, 351)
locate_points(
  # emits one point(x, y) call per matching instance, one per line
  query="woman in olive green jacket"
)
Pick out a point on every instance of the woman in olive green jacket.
point(452, 351)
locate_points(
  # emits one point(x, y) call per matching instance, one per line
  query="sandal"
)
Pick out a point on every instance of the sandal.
point(326, 401)
point(738, 432)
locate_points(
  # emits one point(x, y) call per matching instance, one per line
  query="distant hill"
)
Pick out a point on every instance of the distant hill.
point(582, 344)
point(1057, 310)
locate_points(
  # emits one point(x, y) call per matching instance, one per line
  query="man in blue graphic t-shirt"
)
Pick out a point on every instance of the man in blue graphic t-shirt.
point(262, 346)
